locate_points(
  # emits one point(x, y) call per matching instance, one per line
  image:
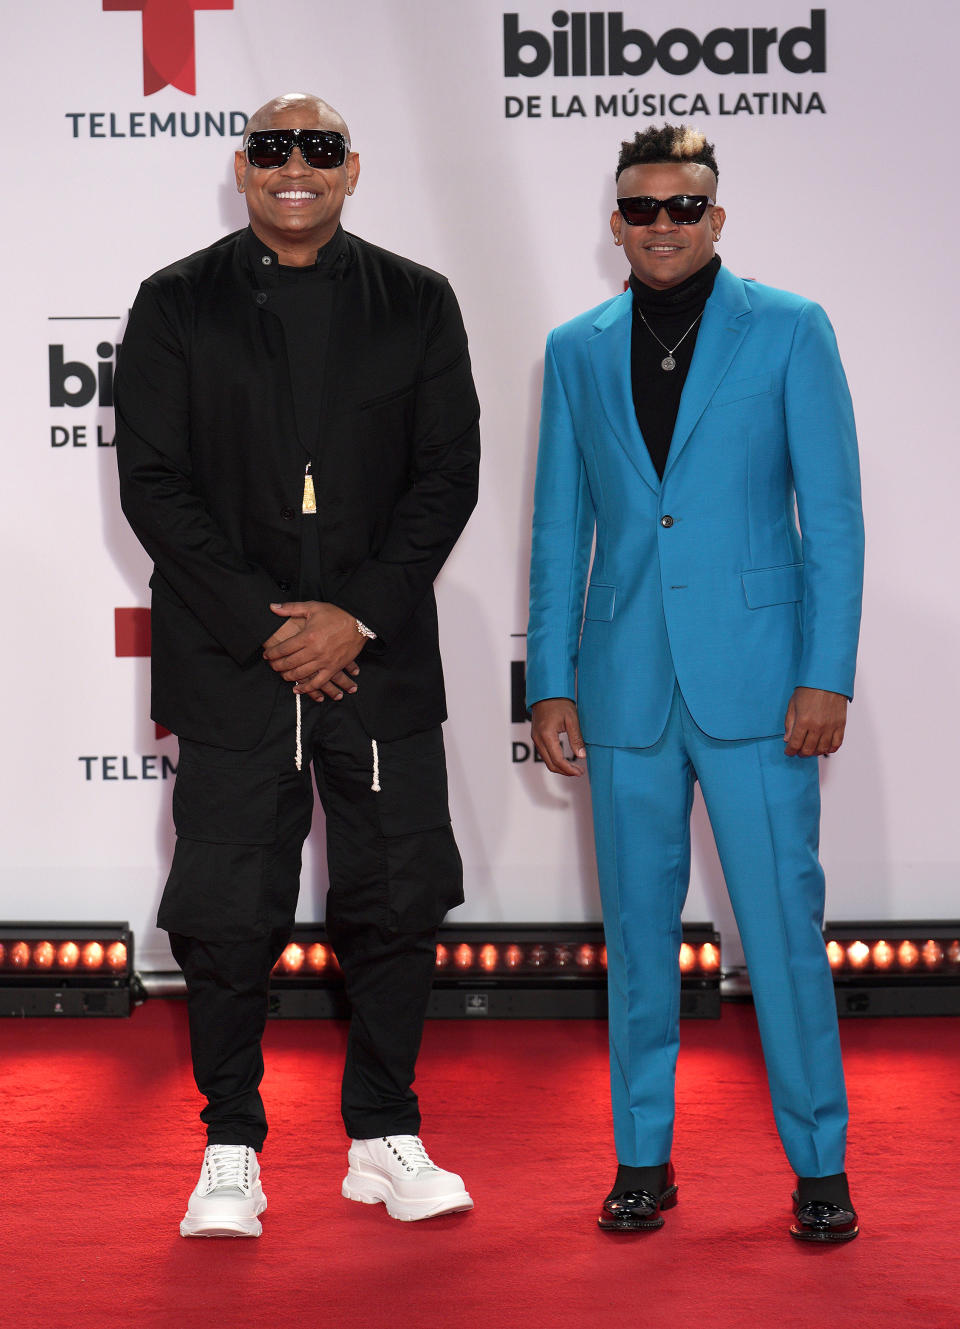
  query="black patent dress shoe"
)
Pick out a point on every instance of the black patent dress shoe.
point(638, 1211)
point(823, 1222)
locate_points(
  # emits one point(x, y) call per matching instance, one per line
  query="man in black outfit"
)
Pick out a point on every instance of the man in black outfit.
point(298, 449)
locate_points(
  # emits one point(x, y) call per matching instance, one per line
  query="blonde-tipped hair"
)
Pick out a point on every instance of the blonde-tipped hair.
point(668, 143)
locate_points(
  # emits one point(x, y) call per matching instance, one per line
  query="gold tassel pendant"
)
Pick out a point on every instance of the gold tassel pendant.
point(309, 494)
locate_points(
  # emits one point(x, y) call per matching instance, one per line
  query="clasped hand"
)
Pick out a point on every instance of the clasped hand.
point(315, 648)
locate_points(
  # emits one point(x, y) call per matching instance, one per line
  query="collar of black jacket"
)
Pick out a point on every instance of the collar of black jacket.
point(264, 265)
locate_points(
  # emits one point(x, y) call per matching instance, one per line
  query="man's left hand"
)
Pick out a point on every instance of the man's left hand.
point(815, 722)
point(327, 644)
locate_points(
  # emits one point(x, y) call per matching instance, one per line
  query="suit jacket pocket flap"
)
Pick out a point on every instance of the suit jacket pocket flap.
point(738, 389)
point(600, 602)
point(773, 586)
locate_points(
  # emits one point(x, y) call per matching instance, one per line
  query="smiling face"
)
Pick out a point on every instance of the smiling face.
point(293, 208)
point(664, 254)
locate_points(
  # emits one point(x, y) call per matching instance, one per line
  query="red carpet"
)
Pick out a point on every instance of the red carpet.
point(103, 1147)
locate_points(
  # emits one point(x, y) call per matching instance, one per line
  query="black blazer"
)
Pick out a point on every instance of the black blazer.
point(211, 479)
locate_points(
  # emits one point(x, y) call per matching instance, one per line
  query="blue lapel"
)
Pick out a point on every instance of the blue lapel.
point(725, 320)
point(610, 360)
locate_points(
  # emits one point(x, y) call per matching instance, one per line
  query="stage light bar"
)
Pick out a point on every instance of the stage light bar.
point(70, 969)
point(895, 968)
point(525, 971)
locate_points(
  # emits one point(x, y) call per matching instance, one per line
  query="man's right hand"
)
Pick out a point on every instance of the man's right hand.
point(551, 718)
point(335, 687)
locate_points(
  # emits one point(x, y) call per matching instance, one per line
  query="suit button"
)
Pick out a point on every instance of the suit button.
point(261, 297)
point(287, 514)
point(666, 521)
point(284, 585)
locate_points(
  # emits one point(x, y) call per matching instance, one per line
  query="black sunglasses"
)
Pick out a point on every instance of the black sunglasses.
point(682, 209)
point(321, 149)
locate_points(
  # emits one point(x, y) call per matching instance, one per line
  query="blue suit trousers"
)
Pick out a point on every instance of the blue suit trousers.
point(764, 808)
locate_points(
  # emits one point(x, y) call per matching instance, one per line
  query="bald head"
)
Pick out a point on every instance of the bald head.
point(325, 115)
point(295, 207)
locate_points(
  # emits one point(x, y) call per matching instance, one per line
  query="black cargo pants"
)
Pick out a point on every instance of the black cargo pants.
point(230, 899)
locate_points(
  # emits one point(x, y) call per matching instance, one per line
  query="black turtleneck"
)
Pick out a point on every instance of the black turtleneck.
point(656, 391)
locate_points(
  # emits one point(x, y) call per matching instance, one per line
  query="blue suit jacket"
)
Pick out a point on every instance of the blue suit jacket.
point(704, 577)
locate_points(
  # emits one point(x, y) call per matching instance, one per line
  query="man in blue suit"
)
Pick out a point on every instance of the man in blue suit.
point(700, 428)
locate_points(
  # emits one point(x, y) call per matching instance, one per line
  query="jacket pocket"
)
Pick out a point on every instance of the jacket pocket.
point(741, 388)
point(600, 602)
point(385, 398)
point(773, 586)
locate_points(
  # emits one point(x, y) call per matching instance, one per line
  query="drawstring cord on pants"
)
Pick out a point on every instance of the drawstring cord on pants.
point(298, 758)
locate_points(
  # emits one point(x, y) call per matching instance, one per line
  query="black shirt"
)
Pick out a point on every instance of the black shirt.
point(305, 302)
point(656, 391)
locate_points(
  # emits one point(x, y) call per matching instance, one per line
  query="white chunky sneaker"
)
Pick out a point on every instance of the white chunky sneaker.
point(228, 1196)
point(397, 1171)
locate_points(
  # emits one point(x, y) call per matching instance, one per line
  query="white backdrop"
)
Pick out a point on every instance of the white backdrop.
point(852, 200)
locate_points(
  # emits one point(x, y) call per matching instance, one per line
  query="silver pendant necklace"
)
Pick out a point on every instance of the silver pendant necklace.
point(668, 361)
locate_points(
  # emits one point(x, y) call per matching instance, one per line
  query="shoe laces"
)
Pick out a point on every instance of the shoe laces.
point(411, 1153)
point(230, 1165)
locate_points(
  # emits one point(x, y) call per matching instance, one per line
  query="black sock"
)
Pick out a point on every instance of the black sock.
point(652, 1179)
point(825, 1190)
